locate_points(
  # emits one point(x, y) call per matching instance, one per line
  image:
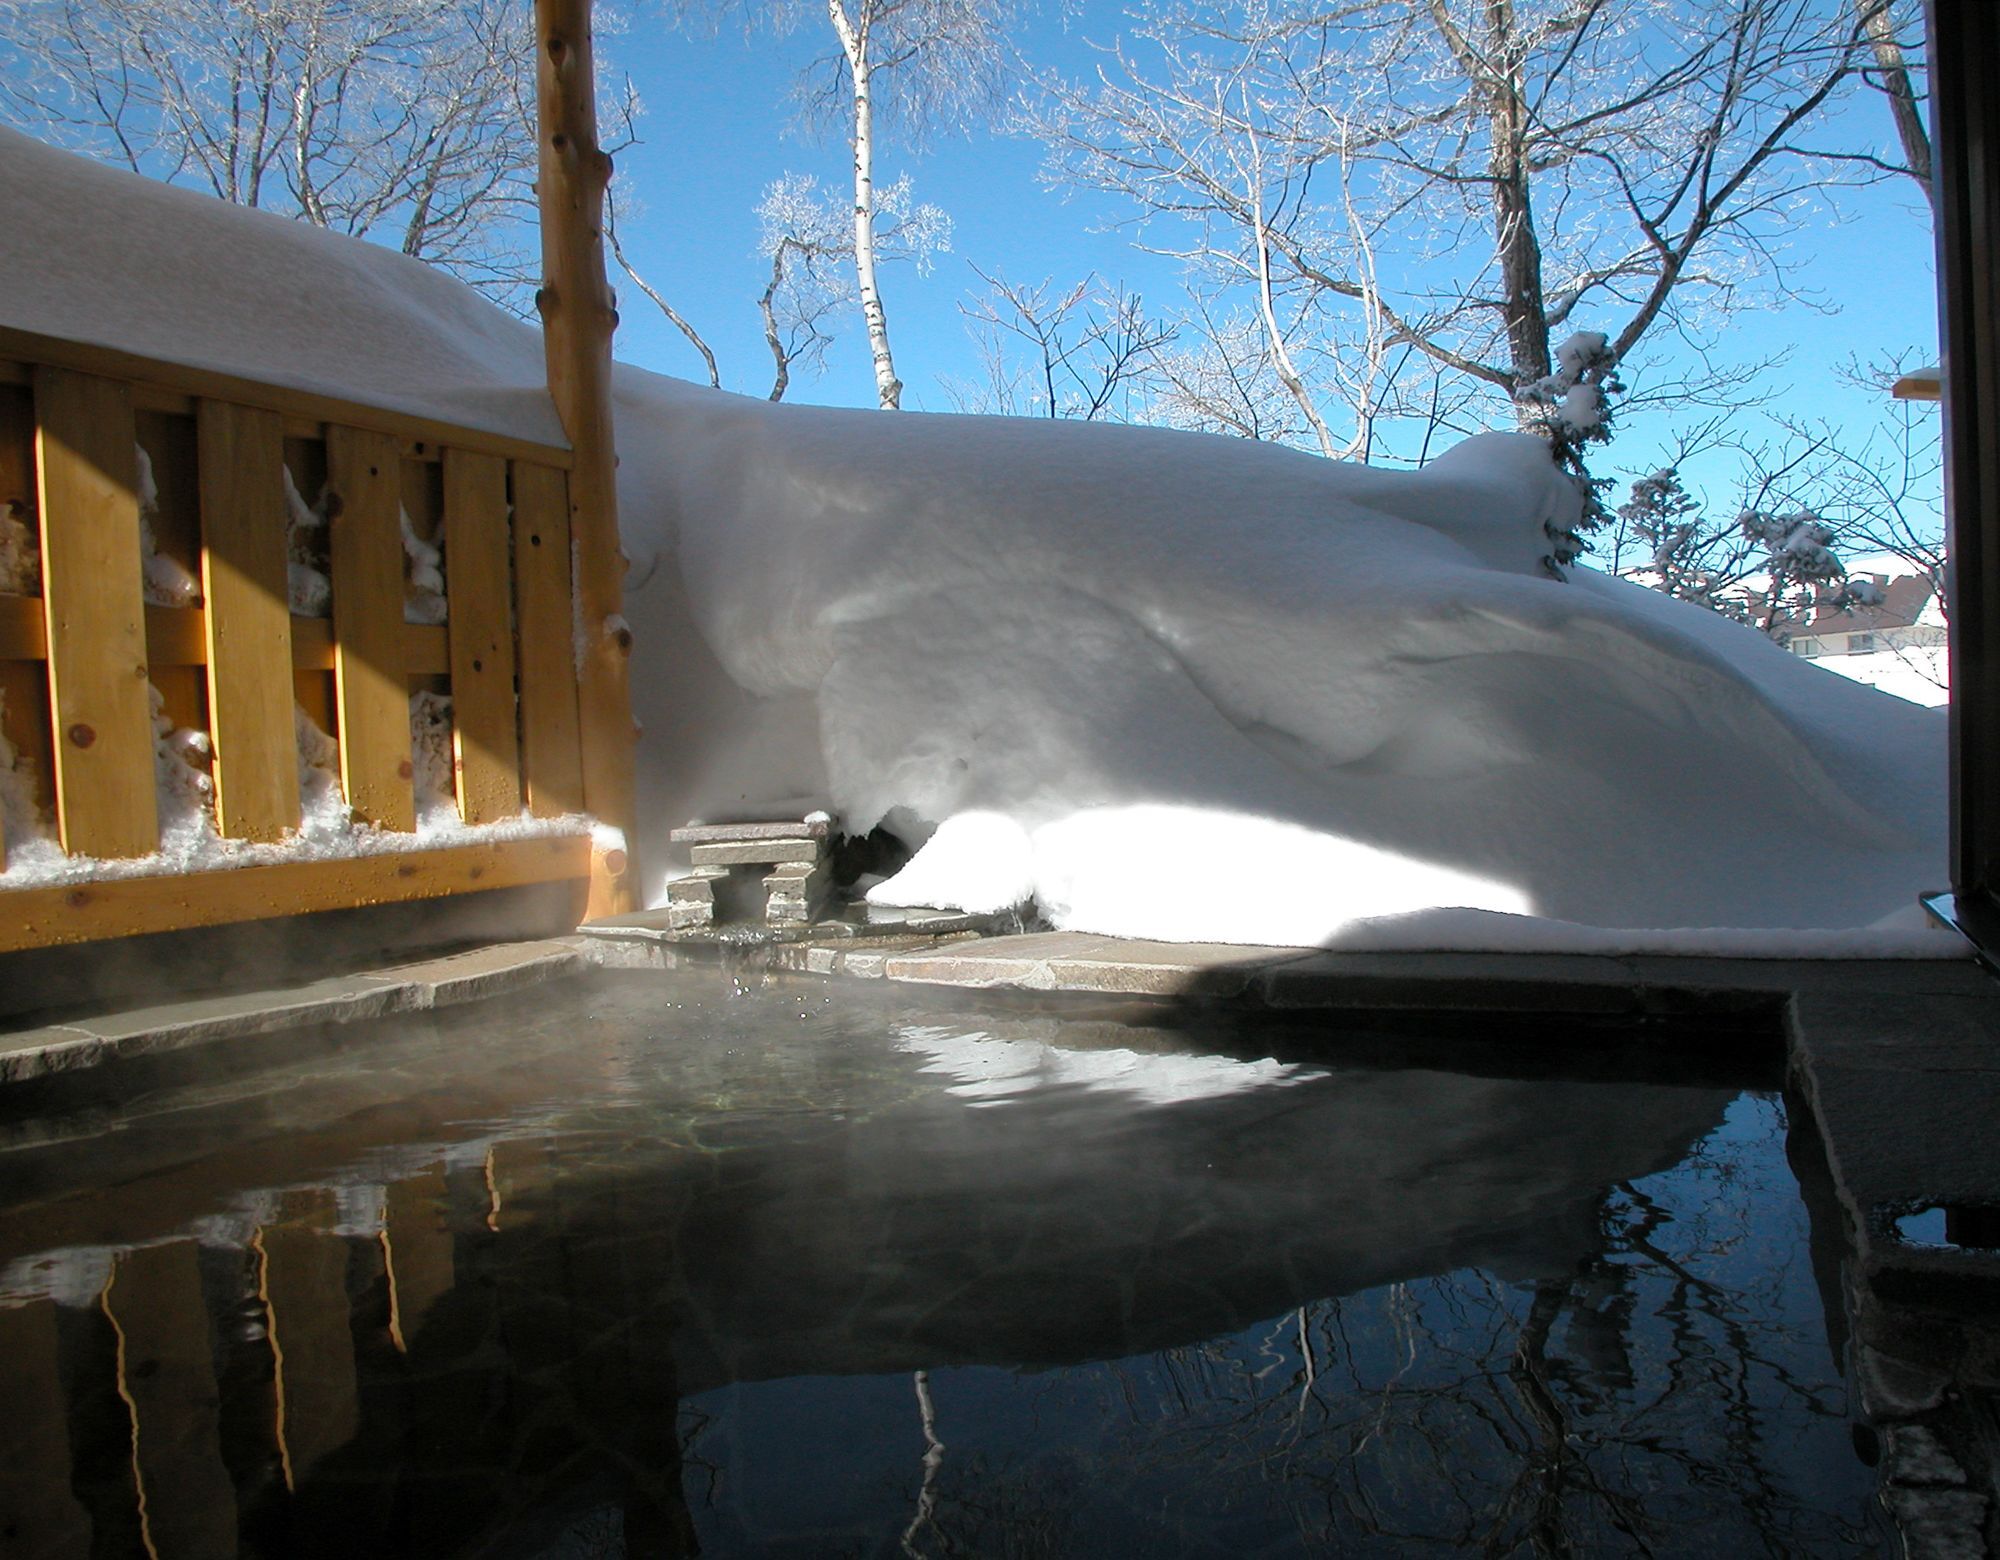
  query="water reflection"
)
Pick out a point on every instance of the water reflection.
point(663, 1274)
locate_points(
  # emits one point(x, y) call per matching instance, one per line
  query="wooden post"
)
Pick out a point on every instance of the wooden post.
point(1965, 51)
point(578, 317)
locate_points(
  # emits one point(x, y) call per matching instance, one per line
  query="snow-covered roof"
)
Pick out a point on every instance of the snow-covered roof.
point(1904, 599)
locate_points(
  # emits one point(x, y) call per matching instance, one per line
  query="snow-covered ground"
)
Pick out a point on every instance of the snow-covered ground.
point(1920, 673)
point(1163, 684)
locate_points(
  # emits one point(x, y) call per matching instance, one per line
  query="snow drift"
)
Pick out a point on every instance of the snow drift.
point(1163, 684)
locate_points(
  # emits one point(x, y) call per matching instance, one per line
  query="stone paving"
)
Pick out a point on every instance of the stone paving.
point(172, 1026)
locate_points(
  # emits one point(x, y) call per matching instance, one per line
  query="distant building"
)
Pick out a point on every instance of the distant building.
point(1890, 614)
point(1893, 638)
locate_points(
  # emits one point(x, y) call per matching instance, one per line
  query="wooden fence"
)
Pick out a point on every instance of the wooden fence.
point(76, 662)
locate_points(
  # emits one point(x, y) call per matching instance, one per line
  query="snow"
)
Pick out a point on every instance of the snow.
point(166, 582)
point(1160, 683)
point(307, 586)
point(20, 558)
point(423, 583)
point(1918, 673)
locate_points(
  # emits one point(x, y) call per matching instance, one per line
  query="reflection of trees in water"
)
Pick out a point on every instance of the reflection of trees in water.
point(1653, 1400)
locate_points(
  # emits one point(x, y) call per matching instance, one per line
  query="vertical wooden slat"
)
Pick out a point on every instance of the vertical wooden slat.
point(87, 476)
point(364, 473)
point(241, 474)
point(551, 762)
point(481, 630)
point(578, 318)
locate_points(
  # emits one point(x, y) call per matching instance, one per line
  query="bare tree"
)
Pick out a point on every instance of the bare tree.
point(809, 240)
point(1079, 353)
point(1478, 182)
point(1220, 169)
point(1809, 497)
point(674, 316)
point(1895, 33)
point(1216, 379)
point(397, 120)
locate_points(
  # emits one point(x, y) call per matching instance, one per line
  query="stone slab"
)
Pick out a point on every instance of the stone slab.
point(1915, 1136)
point(628, 953)
point(698, 887)
point(483, 972)
point(1887, 1030)
point(173, 1026)
point(756, 853)
point(53, 1048)
point(1455, 982)
point(781, 829)
point(639, 925)
point(1082, 961)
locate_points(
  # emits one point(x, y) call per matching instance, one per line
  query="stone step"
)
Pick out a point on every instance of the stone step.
point(754, 853)
point(697, 887)
point(718, 833)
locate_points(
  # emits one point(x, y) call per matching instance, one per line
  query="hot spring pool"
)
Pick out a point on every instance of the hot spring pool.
point(660, 1265)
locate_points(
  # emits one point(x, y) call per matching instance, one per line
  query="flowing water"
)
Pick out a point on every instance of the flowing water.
point(666, 1265)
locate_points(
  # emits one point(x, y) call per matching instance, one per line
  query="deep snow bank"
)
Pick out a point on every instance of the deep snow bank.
point(1168, 684)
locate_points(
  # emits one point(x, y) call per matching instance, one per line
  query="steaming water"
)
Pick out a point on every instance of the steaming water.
point(652, 1263)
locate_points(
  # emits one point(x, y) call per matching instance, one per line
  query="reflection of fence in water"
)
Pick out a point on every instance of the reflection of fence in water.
point(75, 662)
point(285, 1391)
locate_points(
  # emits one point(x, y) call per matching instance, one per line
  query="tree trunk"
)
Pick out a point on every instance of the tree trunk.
point(780, 359)
point(578, 317)
point(1515, 241)
point(854, 43)
point(1902, 94)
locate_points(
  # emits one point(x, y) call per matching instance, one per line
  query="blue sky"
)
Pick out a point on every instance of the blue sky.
point(718, 128)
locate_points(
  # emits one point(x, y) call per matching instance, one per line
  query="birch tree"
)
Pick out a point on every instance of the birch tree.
point(907, 68)
point(809, 238)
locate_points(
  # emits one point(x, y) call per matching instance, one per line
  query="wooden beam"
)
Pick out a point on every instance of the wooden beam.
point(178, 636)
point(173, 386)
point(128, 907)
point(578, 318)
point(247, 620)
point(92, 593)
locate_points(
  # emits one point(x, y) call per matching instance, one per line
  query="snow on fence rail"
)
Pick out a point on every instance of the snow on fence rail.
point(136, 482)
